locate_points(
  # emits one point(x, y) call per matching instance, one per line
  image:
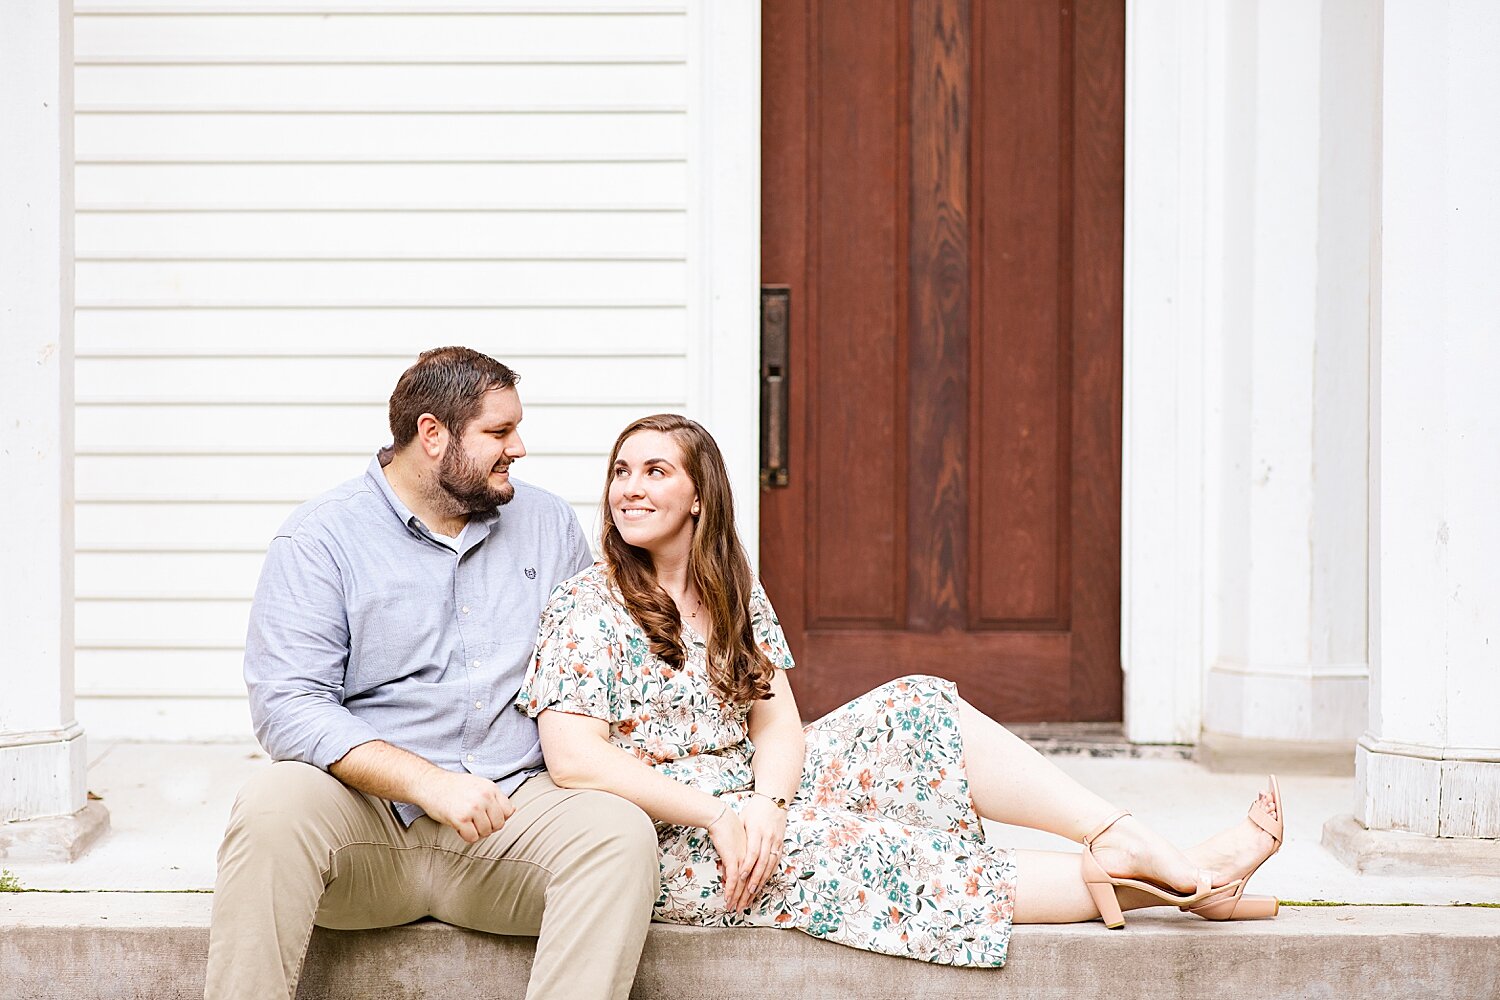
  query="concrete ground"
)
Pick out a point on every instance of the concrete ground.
point(168, 804)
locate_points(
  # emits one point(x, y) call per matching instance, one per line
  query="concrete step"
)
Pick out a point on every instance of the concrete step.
point(112, 946)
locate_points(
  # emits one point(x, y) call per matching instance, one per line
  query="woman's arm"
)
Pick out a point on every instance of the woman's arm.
point(776, 731)
point(579, 755)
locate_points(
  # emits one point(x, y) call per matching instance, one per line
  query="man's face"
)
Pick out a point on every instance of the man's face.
point(475, 469)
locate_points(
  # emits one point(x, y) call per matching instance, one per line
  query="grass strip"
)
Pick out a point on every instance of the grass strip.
point(130, 892)
point(1331, 902)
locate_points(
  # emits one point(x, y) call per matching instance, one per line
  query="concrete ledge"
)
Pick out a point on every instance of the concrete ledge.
point(1391, 852)
point(111, 946)
point(54, 838)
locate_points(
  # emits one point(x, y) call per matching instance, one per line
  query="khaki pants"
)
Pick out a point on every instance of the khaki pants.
point(578, 868)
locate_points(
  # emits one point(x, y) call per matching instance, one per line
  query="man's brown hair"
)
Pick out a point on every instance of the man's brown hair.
point(449, 383)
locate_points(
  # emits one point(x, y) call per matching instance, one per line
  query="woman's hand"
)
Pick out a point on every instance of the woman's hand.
point(728, 835)
point(764, 825)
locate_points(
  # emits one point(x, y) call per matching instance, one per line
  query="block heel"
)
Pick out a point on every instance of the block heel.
point(1102, 886)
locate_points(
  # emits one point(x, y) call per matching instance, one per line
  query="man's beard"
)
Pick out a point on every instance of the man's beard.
point(467, 484)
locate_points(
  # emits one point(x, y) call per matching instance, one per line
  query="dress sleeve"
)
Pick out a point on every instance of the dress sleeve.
point(766, 628)
point(577, 654)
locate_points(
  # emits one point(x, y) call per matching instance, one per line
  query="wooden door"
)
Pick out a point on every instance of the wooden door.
point(943, 193)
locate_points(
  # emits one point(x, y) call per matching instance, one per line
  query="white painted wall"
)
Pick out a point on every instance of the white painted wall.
point(278, 207)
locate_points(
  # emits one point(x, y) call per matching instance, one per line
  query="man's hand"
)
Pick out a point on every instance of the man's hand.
point(472, 805)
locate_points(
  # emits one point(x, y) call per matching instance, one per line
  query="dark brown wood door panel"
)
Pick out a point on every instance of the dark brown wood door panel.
point(943, 193)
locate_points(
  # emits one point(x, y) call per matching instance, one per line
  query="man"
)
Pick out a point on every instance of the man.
point(393, 623)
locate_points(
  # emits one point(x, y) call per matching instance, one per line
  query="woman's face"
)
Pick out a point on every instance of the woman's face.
point(651, 496)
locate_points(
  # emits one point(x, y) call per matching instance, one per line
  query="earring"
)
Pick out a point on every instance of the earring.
point(695, 509)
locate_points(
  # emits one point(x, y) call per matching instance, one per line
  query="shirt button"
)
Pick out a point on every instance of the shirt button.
point(465, 609)
point(470, 758)
point(474, 664)
point(479, 704)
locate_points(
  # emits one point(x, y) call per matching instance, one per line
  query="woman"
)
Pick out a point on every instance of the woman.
point(660, 675)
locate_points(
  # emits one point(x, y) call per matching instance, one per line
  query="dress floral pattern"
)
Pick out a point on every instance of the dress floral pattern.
point(883, 849)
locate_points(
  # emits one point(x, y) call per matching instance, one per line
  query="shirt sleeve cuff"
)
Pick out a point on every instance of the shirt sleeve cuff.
point(339, 739)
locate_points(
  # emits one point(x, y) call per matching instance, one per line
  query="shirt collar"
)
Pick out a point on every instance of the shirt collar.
point(479, 528)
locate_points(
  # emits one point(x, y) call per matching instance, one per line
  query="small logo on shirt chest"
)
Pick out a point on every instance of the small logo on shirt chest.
point(531, 572)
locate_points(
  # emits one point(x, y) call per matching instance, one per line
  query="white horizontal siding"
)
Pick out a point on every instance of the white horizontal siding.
point(169, 714)
point(278, 206)
point(560, 85)
point(183, 672)
point(294, 282)
point(434, 136)
point(368, 34)
point(433, 235)
point(516, 331)
point(374, 185)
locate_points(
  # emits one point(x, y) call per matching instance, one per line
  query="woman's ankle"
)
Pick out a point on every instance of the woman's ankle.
point(1130, 849)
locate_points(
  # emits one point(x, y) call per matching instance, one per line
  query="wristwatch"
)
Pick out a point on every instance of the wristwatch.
point(781, 803)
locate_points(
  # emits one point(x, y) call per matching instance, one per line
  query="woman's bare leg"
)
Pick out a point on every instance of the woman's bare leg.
point(1050, 891)
point(1012, 783)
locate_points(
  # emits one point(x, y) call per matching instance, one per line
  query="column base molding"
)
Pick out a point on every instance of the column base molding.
point(1288, 703)
point(1387, 852)
point(1442, 792)
point(55, 838)
point(45, 772)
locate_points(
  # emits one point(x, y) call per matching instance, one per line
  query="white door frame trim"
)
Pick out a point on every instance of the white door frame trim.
point(1174, 205)
point(724, 242)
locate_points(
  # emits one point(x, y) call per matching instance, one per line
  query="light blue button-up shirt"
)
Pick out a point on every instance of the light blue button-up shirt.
point(367, 626)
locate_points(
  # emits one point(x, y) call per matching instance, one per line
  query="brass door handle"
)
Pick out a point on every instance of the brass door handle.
point(775, 402)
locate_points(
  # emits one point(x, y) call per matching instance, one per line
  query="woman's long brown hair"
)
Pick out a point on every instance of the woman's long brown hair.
point(739, 671)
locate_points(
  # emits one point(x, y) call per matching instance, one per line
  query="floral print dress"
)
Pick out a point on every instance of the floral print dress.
point(883, 850)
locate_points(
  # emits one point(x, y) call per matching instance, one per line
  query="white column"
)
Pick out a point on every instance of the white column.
point(42, 757)
point(1289, 668)
point(1430, 760)
point(1251, 156)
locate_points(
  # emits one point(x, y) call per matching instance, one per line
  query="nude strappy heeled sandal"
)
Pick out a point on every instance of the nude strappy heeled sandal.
point(1237, 905)
point(1102, 885)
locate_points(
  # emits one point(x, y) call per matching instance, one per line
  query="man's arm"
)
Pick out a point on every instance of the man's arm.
point(296, 654)
point(578, 545)
point(472, 805)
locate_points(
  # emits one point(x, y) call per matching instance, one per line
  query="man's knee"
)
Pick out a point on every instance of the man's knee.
point(281, 802)
point(616, 831)
point(287, 786)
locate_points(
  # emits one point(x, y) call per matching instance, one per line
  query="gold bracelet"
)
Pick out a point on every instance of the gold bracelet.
point(718, 817)
point(781, 803)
